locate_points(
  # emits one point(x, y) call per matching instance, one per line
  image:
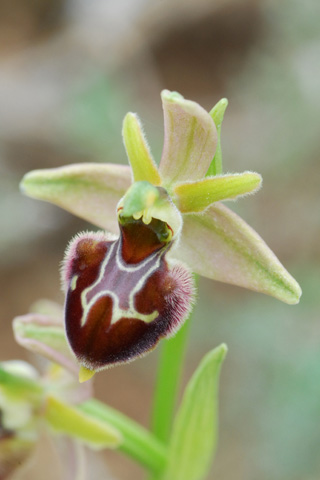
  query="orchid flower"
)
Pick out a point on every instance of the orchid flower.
point(131, 285)
point(38, 408)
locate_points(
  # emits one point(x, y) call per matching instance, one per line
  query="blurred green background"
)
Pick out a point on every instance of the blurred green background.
point(69, 71)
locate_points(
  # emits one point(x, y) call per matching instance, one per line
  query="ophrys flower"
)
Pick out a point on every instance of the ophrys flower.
point(125, 293)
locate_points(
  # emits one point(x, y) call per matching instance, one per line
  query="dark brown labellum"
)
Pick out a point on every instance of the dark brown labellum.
point(123, 296)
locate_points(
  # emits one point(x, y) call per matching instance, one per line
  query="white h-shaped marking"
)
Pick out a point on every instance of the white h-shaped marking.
point(118, 311)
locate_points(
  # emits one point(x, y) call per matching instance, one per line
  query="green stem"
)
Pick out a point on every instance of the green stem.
point(168, 382)
point(138, 443)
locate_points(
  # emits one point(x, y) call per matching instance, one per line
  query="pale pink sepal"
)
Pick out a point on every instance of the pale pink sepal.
point(45, 335)
point(89, 190)
point(190, 140)
point(218, 244)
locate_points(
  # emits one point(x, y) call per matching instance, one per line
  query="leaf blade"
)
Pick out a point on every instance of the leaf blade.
point(194, 436)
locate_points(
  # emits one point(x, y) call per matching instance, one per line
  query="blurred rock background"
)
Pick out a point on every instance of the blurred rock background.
point(69, 71)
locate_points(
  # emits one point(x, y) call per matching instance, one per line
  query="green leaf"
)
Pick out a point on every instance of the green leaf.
point(69, 420)
point(194, 436)
point(217, 114)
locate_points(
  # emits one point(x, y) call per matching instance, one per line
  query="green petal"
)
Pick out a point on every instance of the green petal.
point(196, 196)
point(218, 244)
point(217, 114)
point(190, 140)
point(194, 436)
point(75, 423)
point(88, 190)
point(141, 161)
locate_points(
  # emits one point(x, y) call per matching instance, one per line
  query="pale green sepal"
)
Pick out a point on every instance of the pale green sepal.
point(197, 196)
point(71, 421)
point(89, 190)
point(217, 114)
point(45, 335)
point(218, 244)
point(139, 156)
point(195, 430)
point(190, 140)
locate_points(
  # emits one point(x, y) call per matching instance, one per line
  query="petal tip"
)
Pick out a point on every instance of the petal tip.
point(285, 287)
point(295, 294)
point(218, 111)
point(255, 179)
point(171, 96)
point(130, 115)
point(26, 183)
